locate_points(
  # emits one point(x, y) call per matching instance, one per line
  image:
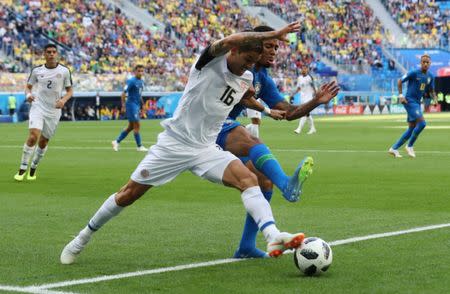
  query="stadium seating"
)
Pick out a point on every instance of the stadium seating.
point(345, 31)
point(101, 44)
point(97, 39)
point(424, 21)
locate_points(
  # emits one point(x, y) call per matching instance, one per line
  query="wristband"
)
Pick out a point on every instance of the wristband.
point(266, 110)
point(29, 95)
point(400, 95)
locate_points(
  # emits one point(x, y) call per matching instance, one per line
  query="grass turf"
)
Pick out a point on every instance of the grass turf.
point(356, 189)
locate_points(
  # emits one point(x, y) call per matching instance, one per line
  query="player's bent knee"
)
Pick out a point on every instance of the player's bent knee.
point(249, 180)
point(265, 184)
point(131, 192)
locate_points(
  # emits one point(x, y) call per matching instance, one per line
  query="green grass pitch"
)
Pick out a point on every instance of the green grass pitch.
point(357, 189)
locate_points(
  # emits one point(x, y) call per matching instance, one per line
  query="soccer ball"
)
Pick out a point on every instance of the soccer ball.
point(313, 257)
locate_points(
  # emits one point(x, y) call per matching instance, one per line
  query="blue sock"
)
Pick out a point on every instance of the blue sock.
point(266, 163)
point(122, 136)
point(137, 138)
point(405, 136)
point(248, 240)
point(416, 132)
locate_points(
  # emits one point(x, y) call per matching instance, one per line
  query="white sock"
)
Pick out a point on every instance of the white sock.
point(253, 129)
point(38, 154)
point(107, 211)
point(311, 122)
point(26, 154)
point(301, 123)
point(270, 232)
point(260, 210)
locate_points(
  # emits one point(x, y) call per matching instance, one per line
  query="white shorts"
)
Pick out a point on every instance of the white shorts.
point(47, 124)
point(169, 157)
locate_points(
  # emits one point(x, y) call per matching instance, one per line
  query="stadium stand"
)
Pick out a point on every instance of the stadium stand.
point(98, 40)
point(428, 28)
point(101, 44)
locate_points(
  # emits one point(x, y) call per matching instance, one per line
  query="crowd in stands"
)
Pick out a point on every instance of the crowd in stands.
point(197, 22)
point(425, 23)
point(98, 39)
point(345, 31)
point(86, 111)
point(101, 45)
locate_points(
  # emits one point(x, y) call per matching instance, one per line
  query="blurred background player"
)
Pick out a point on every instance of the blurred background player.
point(420, 83)
point(132, 94)
point(43, 90)
point(305, 85)
point(255, 116)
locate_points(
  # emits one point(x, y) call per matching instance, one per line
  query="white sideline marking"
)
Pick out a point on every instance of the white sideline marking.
point(224, 261)
point(428, 127)
point(388, 234)
point(138, 273)
point(34, 290)
point(353, 151)
point(277, 150)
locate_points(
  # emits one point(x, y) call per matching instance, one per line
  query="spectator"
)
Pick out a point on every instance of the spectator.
point(12, 102)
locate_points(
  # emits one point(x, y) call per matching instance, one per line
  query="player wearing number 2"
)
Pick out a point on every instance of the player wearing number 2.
point(44, 91)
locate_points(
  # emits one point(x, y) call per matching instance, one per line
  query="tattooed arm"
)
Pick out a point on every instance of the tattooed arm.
point(222, 46)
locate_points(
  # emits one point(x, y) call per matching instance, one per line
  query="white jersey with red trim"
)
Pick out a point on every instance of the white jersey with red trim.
point(210, 94)
point(48, 86)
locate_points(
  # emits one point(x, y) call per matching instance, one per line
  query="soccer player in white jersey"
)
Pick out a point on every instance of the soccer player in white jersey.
point(305, 84)
point(218, 80)
point(44, 91)
point(255, 116)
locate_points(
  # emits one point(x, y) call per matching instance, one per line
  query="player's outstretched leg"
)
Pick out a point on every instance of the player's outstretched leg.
point(284, 241)
point(107, 211)
point(110, 208)
point(405, 136)
point(26, 155)
point(122, 135)
point(415, 134)
point(301, 123)
point(38, 154)
point(312, 128)
point(237, 175)
point(137, 138)
point(261, 212)
point(247, 246)
point(265, 162)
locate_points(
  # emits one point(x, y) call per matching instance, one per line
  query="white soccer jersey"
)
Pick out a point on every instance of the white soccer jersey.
point(209, 96)
point(48, 85)
point(305, 83)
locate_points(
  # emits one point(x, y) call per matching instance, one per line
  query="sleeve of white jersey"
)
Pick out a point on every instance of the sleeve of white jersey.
point(68, 79)
point(32, 79)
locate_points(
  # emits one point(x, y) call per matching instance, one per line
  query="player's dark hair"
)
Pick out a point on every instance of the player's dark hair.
point(138, 66)
point(263, 29)
point(425, 56)
point(50, 46)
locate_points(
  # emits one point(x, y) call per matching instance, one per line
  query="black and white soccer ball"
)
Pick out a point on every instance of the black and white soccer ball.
point(313, 257)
